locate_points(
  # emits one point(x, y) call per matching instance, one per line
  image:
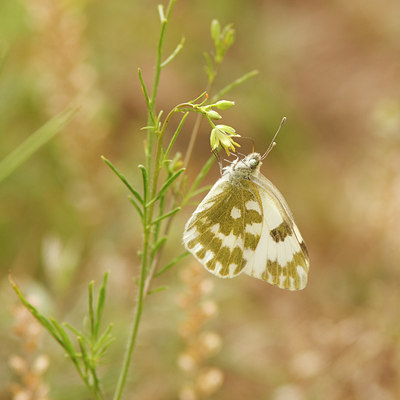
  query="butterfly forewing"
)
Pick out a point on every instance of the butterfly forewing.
point(225, 229)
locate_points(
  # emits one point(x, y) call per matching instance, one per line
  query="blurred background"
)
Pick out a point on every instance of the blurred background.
point(333, 69)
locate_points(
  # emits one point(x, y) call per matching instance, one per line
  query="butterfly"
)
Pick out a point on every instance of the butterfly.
point(244, 225)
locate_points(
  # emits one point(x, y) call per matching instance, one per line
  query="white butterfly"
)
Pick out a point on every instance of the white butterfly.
point(245, 225)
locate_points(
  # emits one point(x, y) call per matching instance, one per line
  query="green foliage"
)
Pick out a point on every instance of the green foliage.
point(91, 342)
point(34, 142)
point(223, 39)
point(157, 201)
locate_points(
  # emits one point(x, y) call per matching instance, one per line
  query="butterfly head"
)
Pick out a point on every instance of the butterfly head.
point(250, 163)
point(244, 167)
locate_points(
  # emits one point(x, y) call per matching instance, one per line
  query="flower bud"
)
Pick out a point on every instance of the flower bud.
point(213, 114)
point(229, 38)
point(224, 104)
point(215, 29)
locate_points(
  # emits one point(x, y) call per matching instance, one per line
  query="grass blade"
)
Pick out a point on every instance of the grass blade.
point(35, 141)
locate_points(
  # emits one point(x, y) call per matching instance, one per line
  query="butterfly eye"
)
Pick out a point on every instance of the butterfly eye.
point(253, 162)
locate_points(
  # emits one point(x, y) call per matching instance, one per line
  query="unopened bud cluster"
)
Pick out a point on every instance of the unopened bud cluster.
point(200, 343)
point(28, 366)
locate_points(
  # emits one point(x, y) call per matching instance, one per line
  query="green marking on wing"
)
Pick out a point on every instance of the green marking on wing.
point(288, 271)
point(281, 232)
point(214, 224)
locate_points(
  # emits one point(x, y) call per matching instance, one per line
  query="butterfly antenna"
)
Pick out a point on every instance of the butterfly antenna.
point(272, 144)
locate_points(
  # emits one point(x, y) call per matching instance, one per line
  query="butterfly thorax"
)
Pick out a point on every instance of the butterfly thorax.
point(243, 168)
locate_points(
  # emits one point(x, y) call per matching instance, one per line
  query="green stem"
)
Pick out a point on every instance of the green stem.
point(157, 257)
point(147, 211)
point(150, 134)
point(96, 385)
point(164, 24)
point(137, 313)
point(195, 132)
point(131, 345)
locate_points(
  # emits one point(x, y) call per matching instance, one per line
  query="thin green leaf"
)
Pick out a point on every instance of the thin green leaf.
point(157, 290)
point(168, 214)
point(160, 9)
point(91, 308)
point(66, 341)
point(102, 350)
point(174, 53)
point(124, 180)
point(168, 183)
point(42, 319)
point(232, 85)
point(150, 127)
point(75, 331)
point(146, 96)
point(160, 242)
point(100, 303)
point(172, 263)
point(209, 67)
point(84, 354)
point(104, 338)
point(161, 206)
point(159, 119)
point(174, 137)
point(35, 141)
point(105, 347)
point(196, 192)
point(202, 173)
point(204, 94)
point(145, 180)
point(133, 201)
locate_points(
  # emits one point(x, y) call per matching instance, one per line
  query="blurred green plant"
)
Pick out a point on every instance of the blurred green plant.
point(92, 344)
point(156, 203)
point(35, 141)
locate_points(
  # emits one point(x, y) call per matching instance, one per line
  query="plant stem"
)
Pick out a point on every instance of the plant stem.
point(173, 203)
point(137, 313)
point(164, 24)
point(149, 191)
point(150, 134)
point(131, 343)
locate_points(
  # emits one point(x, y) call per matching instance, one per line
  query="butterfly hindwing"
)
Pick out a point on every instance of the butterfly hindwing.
point(281, 257)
